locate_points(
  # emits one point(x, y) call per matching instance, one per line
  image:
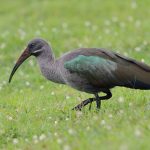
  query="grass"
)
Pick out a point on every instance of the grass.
point(35, 113)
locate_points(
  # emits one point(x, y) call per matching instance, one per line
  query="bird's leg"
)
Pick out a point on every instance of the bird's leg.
point(90, 100)
point(98, 101)
point(107, 96)
point(90, 106)
point(83, 103)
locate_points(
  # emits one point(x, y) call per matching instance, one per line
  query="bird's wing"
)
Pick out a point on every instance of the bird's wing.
point(106, 68)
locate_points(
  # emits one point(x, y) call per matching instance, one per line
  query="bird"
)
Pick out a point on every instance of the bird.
point(89, 70)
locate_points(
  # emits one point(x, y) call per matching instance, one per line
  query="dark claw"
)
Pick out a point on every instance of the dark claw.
point(83, 103)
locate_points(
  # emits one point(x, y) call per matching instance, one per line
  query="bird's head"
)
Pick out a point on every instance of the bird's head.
point(35, 47)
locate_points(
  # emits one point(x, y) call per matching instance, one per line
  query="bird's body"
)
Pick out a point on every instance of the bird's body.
point(92, 70)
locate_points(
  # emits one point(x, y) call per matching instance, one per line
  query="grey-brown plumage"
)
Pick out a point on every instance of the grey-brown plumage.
point(91, 70)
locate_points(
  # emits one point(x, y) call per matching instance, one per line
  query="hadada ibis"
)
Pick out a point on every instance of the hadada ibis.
point(91, 70)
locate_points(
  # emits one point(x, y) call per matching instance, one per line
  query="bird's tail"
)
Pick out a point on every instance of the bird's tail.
point(138, 75)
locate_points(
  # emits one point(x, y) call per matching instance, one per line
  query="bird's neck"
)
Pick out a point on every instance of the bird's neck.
point(50, 67)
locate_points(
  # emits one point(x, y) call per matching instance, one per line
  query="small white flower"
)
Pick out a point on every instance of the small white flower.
point(35, 137)
point(67, 96)
point(142, 60)
point(130, 104)
point(42, 137)
point(41, 87)
point(50, 117)
point(59, 141)
point(80, 45)
point(125, 54)
point(110, 115)
point(137, 133)
point(87, 23)
point(133, 4)
point(26, 140)
point(120, 99)
point(36, 141)
point(67, 119)
point(10, 118)
point(2, 46)
point(138, 49)
point(67, 147)
point(103, 122)
point(65, 25)
point(56, 134)
point(4, 82)
point(87, 128)
point(21, 91)
point(145, 42)
point(15, 141)
point(27, 83)
point(121, 111)
point(52, 93)
point(71, 131)
point(56, 122)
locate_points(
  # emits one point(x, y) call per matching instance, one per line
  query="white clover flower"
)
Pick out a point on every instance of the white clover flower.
point(67, 96)
point(67, 119)
point(130, 104)
point(42, 137)
point(87, 128)
point(87, 23)
point(35, 137)
point(59, 141)
point(3, 45)
point(27, 83)
point(52, 93)
point(142, 60)
point(121, 99)
point(15, 141)
point(71, 131)
point(103, 122)
point(10, 118)
point(66, 147)
point(56, 122)
point(138, 49)
point(41, 87)
point(55, 134)
point(137, 133)
point(110, 115)
point(133, 4)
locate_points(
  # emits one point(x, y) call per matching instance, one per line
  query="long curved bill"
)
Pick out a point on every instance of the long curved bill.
point(21, 59)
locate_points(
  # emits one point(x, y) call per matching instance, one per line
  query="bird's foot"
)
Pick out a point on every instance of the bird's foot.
point(83, 103)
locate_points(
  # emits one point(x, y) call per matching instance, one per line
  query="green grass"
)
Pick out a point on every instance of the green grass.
point(35, 113)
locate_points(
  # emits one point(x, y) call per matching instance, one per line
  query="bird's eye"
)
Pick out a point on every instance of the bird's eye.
point(31, 45)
